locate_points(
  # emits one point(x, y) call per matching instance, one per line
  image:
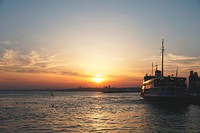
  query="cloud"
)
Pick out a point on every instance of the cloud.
point(10, 54)
point(33, 62)
point(173, 61)
point(174, 57)
point(8, 43)
point(183, 63)
point(74, 74)
point(177, 59)
point(151, 58)
point(16, 58)
point(5, 43)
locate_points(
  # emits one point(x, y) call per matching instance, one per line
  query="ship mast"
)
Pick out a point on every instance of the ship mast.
point(162, 56)
point(152, 69)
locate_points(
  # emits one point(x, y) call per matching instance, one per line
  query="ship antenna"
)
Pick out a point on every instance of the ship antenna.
point(177, 72)
point(162, 56)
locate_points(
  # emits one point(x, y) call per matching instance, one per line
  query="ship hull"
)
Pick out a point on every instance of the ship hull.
point(173, 99)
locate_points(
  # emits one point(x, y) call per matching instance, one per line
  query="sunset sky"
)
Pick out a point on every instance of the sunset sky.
point(80, 43)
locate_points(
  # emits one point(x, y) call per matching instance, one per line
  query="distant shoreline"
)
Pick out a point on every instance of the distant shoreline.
point(80, 89)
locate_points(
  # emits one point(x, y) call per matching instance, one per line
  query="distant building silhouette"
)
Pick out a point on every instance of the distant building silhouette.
point(194, 83)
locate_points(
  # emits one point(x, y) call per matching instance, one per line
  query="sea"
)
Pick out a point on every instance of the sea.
point(41, 112)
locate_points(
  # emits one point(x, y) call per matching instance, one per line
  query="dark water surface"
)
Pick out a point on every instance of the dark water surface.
point(37, 111)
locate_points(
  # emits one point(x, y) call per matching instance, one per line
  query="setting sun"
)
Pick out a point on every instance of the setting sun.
point(98, 79)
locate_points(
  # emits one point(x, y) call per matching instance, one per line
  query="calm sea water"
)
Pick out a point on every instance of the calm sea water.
point(33, 111)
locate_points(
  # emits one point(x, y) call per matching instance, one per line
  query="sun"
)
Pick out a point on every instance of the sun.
point(98, 79)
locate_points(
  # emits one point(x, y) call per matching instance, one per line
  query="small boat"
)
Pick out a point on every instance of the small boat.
point(52, 94)
point(164, 88)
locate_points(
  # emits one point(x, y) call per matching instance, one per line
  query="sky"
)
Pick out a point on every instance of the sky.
point(95, 43)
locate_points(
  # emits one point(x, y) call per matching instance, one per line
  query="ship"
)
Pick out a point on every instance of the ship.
point(164, 88)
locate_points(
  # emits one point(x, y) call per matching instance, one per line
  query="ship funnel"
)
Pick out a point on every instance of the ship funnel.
point(158, 74)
